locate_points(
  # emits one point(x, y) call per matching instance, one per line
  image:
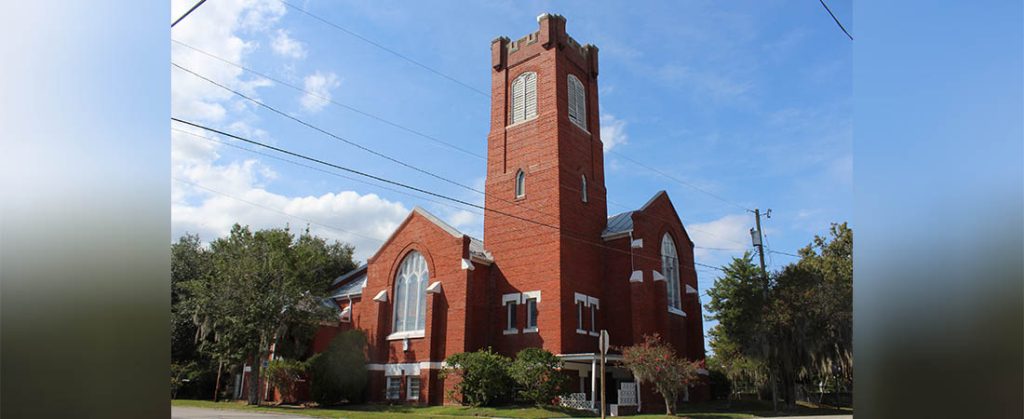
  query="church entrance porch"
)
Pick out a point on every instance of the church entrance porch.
point(621, 388)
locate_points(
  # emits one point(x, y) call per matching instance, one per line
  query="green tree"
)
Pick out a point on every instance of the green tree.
point(804, 327)
point(283, 374)
point(536, 372)
point(654, 361)
point(262, 283)
point(482, 377)
point(339, 373)
point(744, 374)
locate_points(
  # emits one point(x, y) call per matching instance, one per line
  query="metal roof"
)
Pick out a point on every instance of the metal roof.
point(352, 283)
point(618, 224)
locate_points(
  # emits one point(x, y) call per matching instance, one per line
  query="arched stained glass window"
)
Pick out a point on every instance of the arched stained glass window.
point(670, 269)
point(411, 294)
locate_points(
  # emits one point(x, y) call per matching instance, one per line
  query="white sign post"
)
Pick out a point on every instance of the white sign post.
point(602, 343)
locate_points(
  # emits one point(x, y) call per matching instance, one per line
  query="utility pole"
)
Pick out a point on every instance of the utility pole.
point(603, 346)
point(759, 243)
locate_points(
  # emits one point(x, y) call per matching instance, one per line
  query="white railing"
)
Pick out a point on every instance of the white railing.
point(627, 394)
point(627, 398)
point(576, 401)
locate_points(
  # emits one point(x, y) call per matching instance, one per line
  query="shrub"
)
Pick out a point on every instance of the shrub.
point(483, 377)
point(536, 372)
point(655, 362)
point(339, 373)
point(282, 374)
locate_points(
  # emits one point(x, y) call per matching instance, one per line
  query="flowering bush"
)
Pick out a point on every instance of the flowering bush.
point(655, 362)
point(536, 372)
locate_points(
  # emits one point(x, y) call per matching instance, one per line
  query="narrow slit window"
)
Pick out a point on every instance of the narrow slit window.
point(583, 187)
point(520, 183)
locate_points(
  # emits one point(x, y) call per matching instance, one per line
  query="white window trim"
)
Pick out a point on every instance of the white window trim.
point(505, 300)
point(530, 119)
point(409, 395)
point(412, 334)
point(412, 257)
point(387, 388)
point(531, 295)
point(595, 304)
point(677, 311)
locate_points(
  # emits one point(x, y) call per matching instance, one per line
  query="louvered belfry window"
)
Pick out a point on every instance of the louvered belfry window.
point(524, 97)
point(577, 102)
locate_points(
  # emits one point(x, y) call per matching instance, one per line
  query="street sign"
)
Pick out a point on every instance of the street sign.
point(603, 342)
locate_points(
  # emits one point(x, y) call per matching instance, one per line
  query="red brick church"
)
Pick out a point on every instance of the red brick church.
point(553, 268)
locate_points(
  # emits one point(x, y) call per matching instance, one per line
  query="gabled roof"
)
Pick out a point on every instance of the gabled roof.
point(619, 225)
point(476, 246)
point(350, 284)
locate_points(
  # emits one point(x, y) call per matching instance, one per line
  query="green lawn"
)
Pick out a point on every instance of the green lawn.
point(711, 410)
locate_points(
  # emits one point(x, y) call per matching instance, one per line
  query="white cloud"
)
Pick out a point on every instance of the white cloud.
point(361, 220)
point(320, 85)
point(728, 232)
point(613, 131)
point(202, 165)
point(215, 28)
point(284, 45)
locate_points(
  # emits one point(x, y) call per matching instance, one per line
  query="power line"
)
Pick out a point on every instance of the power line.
point(392, 51)
point(680, 181)
point(384, 48)
point(277, 211)
point(328, 133)
point(395, 124)
point(836, 19)
point(372, 151)
point(332, 101)
point(236, 146)
point(784, 253)
point(413, 188)
point(372, 184)
point(194, 7)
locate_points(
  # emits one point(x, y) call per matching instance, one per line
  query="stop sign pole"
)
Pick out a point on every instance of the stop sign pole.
point(603, 346)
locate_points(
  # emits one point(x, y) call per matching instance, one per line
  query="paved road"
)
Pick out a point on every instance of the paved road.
point(179, 412)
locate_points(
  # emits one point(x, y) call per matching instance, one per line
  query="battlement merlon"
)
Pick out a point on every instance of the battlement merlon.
point(551, 34)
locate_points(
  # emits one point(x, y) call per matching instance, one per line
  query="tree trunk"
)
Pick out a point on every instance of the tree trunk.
point(254, 380)
point(216, 385)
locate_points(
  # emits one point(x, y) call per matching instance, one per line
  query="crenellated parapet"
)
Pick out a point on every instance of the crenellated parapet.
point(551, 34)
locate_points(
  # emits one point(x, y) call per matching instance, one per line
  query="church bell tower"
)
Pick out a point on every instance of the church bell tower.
point(545, 164)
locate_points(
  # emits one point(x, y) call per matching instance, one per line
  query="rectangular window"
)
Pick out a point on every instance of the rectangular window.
point(394, 387)
point(531, 299)
point(412, 388)
point(595, 305)
point(581, 303)
point(511, 323)
point(579, 316)
point(511, 303)
point(531, 315)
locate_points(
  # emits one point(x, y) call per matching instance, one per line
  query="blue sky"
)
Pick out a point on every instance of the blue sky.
point(748, 100)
